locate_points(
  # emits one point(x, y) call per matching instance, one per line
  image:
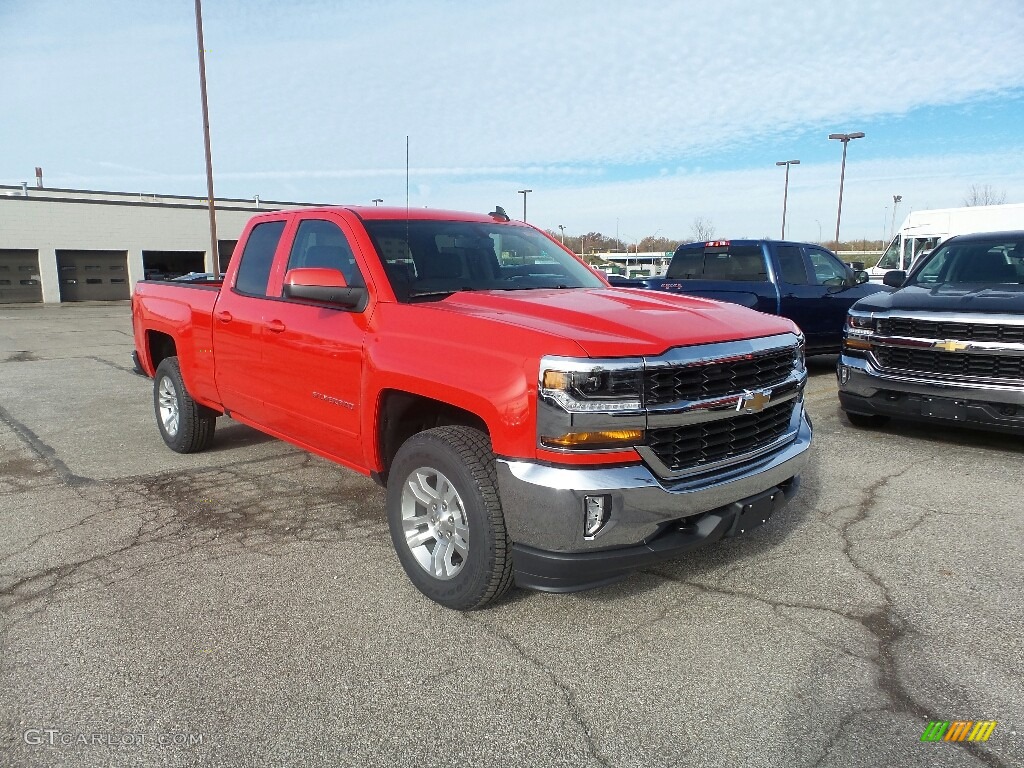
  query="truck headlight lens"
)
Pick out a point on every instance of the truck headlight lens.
point(859, 330)
point(593, 388)
point(860, 323)
point(602, 439)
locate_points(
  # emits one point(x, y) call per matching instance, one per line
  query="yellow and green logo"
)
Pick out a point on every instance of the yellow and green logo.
point(958, 730)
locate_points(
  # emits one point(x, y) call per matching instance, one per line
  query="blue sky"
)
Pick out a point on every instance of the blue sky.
point(637, 117)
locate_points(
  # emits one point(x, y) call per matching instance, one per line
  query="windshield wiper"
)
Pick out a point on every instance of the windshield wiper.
point(435, 294)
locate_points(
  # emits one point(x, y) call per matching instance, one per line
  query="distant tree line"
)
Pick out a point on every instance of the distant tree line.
point(701, 229)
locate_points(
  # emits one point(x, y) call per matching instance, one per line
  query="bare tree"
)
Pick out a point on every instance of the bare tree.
point(984, 195)
point(702, 229)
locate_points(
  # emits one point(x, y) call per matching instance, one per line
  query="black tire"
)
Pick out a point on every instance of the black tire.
point(437, 460)
point(193, 430)
point(866, 421)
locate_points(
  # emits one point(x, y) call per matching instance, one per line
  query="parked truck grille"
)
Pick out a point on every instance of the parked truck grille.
point(950, 363)
point(931, 329)
point(717, 378)
point(691, 446)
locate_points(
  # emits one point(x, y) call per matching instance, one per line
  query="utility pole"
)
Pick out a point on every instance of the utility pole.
point(524, 192)
point(214, 250)
point(785, 193)
point(845, 138)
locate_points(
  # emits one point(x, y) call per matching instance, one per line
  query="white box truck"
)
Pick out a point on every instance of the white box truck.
point(921, 231)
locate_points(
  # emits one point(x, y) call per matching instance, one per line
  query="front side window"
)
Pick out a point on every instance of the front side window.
point(320, 243)
point(826, 268)
point(432, 259)
point(258, 258)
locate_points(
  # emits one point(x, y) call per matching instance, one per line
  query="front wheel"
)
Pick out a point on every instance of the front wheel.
point(185, 425)
point(445, 517)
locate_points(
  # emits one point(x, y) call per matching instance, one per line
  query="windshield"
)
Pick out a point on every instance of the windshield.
point(433, 259)
point(891, 258)
point(996, 260)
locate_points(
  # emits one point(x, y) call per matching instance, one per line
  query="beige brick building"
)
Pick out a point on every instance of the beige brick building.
point(79, 245)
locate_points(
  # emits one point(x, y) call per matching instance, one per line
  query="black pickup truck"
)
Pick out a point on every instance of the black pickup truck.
point(801, 281)
point(948, 346)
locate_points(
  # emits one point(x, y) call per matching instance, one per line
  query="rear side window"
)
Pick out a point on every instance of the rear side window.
point(791, 264)
point(257, 258)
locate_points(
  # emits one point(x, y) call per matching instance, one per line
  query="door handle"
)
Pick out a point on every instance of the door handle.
point(224, 316)
point(275, 326)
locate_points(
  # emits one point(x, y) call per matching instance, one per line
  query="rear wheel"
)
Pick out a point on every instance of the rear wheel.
point(866, 421)
point(445, 517)
point(185, 426)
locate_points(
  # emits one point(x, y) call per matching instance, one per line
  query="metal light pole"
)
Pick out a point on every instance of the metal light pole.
point(785, 193)
point(896, 200)
point(846, 138)
point(560, 226)
point(377, 200)
point(524, 192)
point(214, 251)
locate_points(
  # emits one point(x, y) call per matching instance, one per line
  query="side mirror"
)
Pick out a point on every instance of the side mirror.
point(324, 285)
point(895, 278)
point(861, 276)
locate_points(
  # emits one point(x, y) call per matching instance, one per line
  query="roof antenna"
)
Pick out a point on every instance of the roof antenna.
point(499, 214)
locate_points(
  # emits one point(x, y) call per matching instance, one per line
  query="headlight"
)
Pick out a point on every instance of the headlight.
point(590, 405)
point(801, 353)
point(859, 330)
point(860, 322)
point(592, 386)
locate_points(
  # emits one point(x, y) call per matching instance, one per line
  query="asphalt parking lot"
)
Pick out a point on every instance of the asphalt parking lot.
point(244, 606)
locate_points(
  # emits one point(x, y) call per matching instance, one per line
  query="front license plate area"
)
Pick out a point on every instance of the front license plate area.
point(755, 511)
point(944, 408)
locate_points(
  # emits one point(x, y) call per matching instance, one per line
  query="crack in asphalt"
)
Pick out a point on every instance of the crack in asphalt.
point(883, 624)
point(563, 688)
point(42, 450)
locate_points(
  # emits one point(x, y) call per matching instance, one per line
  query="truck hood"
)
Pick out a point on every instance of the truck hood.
point(610, 322)
point(948, 298)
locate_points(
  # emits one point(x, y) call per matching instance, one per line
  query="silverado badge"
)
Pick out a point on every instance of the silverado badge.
point(753, 401)
point(951, 345)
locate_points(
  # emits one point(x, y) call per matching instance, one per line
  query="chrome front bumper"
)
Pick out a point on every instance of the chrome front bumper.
point(864, 389)
point(544, 505)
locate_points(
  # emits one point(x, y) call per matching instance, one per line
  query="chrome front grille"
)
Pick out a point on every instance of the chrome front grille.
point(920, 328)
point(929, 361)
point(693, 447)
point(715, 378)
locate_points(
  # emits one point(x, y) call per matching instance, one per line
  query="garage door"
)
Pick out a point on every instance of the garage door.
point(19, 276)
point(93, 275)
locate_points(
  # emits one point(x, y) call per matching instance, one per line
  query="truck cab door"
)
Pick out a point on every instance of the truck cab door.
point(799, 298)
point(313, 350)
point(239, 317)
point(831, 283)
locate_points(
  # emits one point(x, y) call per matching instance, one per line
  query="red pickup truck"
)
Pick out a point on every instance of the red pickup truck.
point(531, 424)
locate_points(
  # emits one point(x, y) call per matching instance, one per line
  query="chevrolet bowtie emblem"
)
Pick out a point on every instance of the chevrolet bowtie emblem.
point(753, 402)
point(951, 345)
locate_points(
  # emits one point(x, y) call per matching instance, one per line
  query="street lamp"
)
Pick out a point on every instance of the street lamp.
point(377, 200)
point(524, 192)
point(560, 226)
point(846, 138)
point(785, 193)
point(896, 200)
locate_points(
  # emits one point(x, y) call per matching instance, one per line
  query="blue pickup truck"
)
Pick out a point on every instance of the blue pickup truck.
point(801, 281)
